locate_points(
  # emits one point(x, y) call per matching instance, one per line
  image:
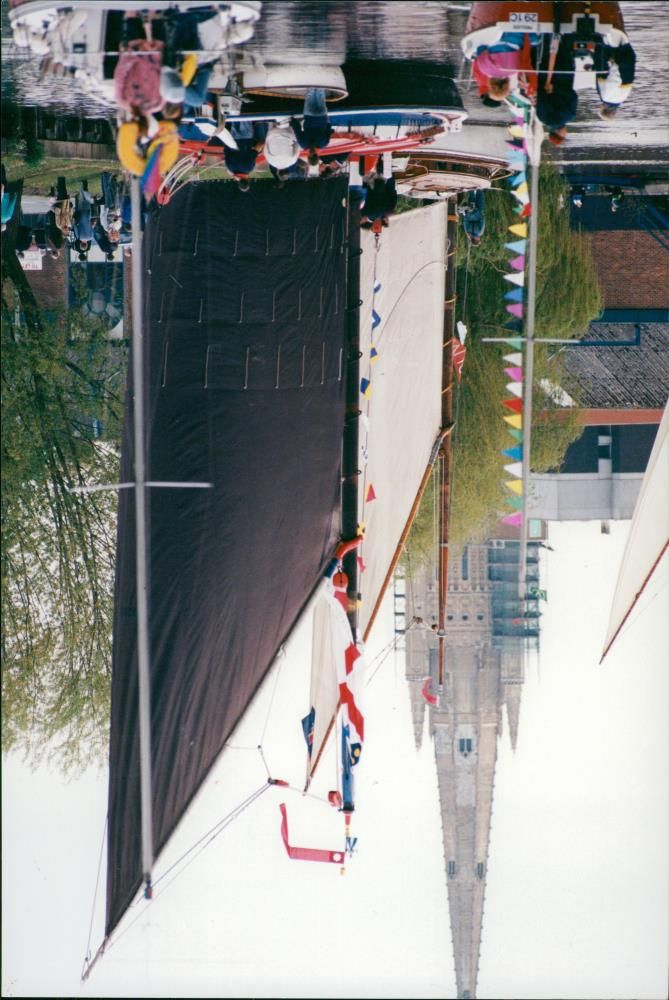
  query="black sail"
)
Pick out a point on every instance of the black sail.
point(244, 316)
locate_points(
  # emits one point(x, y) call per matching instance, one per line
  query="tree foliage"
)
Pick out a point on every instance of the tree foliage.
point(568, 299)
point(60, 376)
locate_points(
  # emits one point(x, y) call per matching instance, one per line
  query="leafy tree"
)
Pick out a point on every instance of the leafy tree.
point(60, 375)
point(568, 299)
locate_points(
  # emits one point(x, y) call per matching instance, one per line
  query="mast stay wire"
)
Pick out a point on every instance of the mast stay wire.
point(87, 956)
point(198, 847)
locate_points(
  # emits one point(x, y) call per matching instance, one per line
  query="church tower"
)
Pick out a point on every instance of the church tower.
point(484, 670)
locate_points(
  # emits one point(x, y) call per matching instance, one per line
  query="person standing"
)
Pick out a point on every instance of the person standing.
point(557, 100)
point(473, 218)
point(314, 131)
point(615, 69)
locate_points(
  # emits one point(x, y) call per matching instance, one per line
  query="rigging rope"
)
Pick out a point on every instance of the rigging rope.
point(95, 897)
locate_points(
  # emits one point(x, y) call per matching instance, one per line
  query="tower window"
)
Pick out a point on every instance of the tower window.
point(465, 746)
point(451, 869)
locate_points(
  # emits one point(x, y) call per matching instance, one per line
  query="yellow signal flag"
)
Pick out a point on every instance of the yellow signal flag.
point(515, 421)
point(516, 486)
point(517, 131)
point(520, 229)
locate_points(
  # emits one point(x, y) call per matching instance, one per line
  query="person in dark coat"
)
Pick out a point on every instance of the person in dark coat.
point(380, 202)
point(557, 100)
point(473, 219)
point(101, 237)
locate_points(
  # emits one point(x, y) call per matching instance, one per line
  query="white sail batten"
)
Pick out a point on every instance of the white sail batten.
point(648, 538)
point(401, 417)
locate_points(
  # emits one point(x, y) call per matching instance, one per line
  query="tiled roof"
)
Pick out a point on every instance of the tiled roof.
point(622, 376)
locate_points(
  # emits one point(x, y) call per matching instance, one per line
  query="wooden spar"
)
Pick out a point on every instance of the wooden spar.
point(445, 462)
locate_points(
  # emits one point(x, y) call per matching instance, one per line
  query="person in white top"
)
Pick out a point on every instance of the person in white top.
point(614, 78)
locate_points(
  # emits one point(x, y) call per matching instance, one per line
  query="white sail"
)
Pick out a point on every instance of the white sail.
point(648, 537)
point(324, 694)
point(401, 417)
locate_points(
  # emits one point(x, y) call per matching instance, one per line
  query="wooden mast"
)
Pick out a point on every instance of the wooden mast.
point(445, 454)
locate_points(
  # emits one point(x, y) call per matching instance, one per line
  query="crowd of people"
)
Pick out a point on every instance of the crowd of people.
point(76, 222)
point(543, 70)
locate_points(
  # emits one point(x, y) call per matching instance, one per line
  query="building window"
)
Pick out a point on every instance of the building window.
point(465, 618)
point(449, 618)
point(465, 746)
point(480, 870)
point(479, 618)
point(451, 869)
point(465, 563)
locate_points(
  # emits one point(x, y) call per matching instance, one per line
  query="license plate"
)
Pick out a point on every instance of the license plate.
point(524, 19)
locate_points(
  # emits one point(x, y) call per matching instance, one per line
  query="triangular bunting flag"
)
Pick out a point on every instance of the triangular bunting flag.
point(515, 503)
point(461, 329)
point(365, 387)
point(515, 279)
point(516, 486)
point(515, 310)
point(514, 469)
point(519, 179)
point(517, 327)
point(515, 453)
point(517, 131)
point(522, 189)
point(518, 100)
point(515, 374)
point(373, 354)
point(517, 263)
point(513, 404)
point(520, 229)
point(515, 388)
point(376, 319)
point(518, 246)
point(526, 211)
point(371, 495)
point(514, 519)
point(514, 359)
point(514, 295)
point(517, 163)
point(516, 421)
point(516, 434)
point(515, 144)
point(516, 342)
point(522, 199)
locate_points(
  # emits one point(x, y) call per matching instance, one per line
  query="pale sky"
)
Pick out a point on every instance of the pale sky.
point(577, 891)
